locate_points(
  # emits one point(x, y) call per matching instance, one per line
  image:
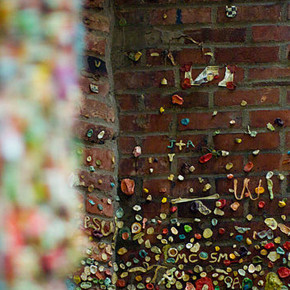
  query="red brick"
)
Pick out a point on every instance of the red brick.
point(133, 166)
point(271, 206)
point(158, 144)
point(145, 123)
point(199, 142)
point(156, 16)
point(191, 99)
point(107, 211)
point(95, 109)
point(155, 144)
point(95, 43)
point(268, 73)
point(81, 128)
point(181, 188)
point(262, 141)
point(126, 145)
point(93, 3)
point(135, 80)
point(223, 185)
point(217, 35)
point(155, 60)
point(154, 209)
point(102, 84)
point(153, 101)
point(247, 55)
point(128, 102)
point(253, 97)
point(105, 156)
point(196, 15)
point(157, 186)
point(95, 21)
point(266, 162)
point(215, 165)
point(261, 118)
point(173, 189)
point(193, 55)
point(271, 33)
point(92, 178)
point(204, 121)
point(252, 14)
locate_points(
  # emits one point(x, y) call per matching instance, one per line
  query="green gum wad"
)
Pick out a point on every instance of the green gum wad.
point(273, 282)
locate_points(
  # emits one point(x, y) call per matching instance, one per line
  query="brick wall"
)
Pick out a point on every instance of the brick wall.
point(96, 129)
point(133, 108)
point(256, 42)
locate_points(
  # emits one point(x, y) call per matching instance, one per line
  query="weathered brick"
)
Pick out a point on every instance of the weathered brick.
point(193, 55)
point(199, 142)
point(159, 144)
point(100, 182)
point(145, 123)
point(266, 73)
point(247, 55)
point(271, 206)
point(271, 33)
point(126, 145)
point(127, 102)
point(98, 206)
point(253, 13)
point(263, 117)
point(257, 97)
point(181, 188)
point(103, 155)
point(95, 43)
point(157, 187)
point(196, 15)
point(215, 165)
point(95, 21)
point(154, 209)
point(155, 57)
point(263, 141)
point(266, 162)
point(192, 99)
point(162, 16)
point(155, 144)
point(103, 86)
point(81, 128)
point(204, 121)
point(135, 80)
point(217, 35)
point(95, 109)
point(133, 166)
